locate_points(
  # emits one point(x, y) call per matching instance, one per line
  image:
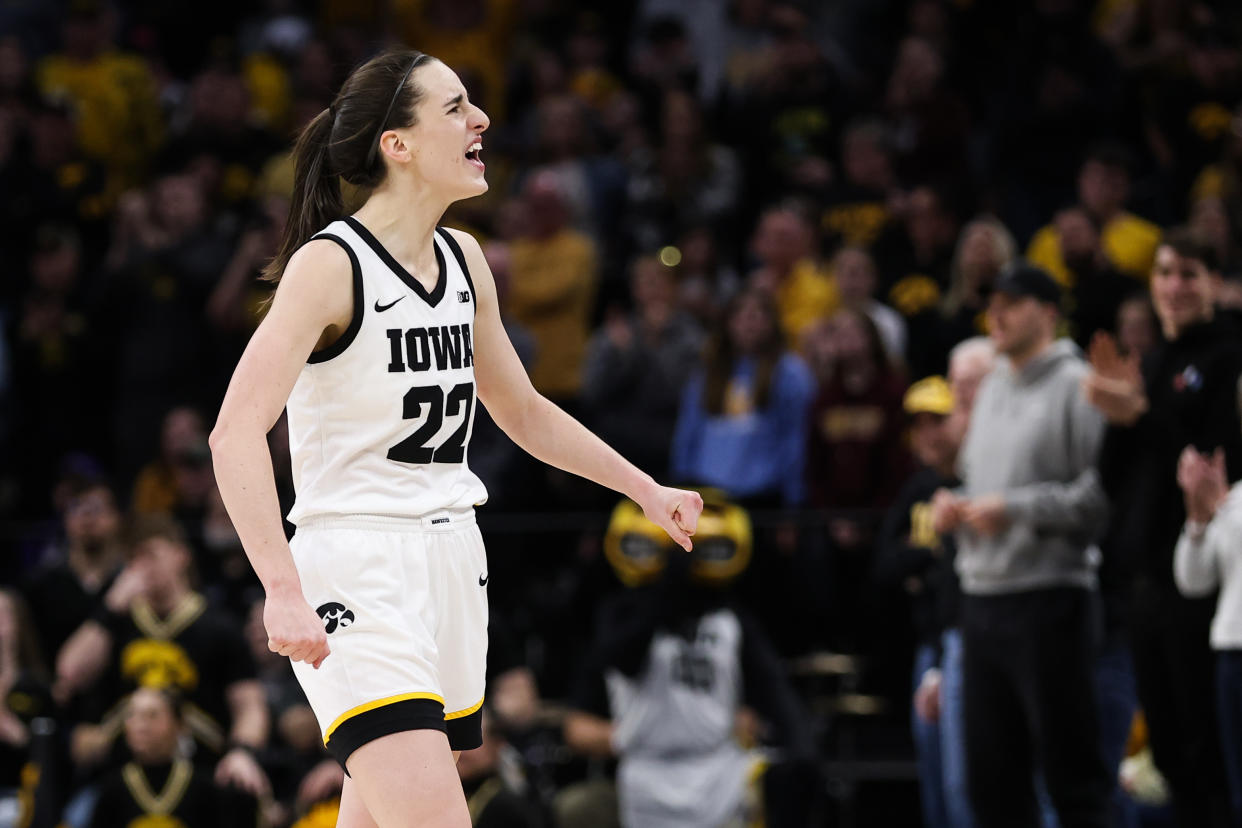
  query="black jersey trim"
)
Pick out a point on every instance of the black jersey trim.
point(433, 298)
point(355, 323)
point(400, 716)
point(461, 261)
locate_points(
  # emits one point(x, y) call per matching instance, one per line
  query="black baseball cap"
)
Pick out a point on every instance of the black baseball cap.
point(1022, 279)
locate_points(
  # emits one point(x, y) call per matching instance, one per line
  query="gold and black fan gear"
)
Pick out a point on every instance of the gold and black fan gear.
point(638, 549)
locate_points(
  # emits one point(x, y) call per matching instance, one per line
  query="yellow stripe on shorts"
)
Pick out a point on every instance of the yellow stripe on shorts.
point(371, 705)
point(461, 714)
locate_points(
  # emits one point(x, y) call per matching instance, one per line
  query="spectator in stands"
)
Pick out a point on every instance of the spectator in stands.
point(301, 771)
point(493, 795)
point(1030, 505)
point(916, 273)
point(1129, 242)
point(984, 249)
point(159, 785)
point(180, 481)
point(1209, 221)
point(114, 93)
point(742, 421)
point(156, 631)
point(1189, 117)
point(1206, 559)
point(591, 185)
point(67, 588)
point(1137, 327)
point(969, 362)
point(1184, 393)
point(220, 138)
point(554, 277)
point(167, 256)
point(1095, 289)
point(909, 554)
point(855, 455)
point(856, 208)
point(158, 488)
point(26, 696)
point(55, 358)
point(854, 271)
point(688, 180)
point(929, 117)
point(637, 366)
point(705, 279)
point(784, 247)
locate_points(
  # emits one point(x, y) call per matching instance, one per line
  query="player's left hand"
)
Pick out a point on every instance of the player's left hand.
point(676, 511)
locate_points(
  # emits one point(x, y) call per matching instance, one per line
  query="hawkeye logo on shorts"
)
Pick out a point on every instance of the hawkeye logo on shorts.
point(335, 615)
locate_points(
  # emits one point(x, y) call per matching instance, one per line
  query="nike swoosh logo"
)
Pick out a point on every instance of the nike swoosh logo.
point(381, 308)
point(483, 580)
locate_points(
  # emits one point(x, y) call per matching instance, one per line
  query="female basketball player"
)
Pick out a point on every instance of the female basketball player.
point(382, 332)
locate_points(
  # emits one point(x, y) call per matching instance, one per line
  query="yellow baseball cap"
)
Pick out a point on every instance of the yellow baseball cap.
point(930, 395)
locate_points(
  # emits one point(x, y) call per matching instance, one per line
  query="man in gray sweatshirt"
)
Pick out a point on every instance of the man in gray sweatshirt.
point(1029, 508)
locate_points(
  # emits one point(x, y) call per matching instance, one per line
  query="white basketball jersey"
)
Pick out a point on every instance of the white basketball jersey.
point(380, 421)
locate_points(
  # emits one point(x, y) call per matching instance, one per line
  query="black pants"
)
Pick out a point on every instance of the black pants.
point(1173, 666)
point(1030, 704)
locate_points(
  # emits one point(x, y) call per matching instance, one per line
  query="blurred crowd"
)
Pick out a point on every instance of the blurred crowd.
point(770, 247)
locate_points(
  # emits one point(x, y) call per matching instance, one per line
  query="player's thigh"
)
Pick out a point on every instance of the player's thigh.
point(353, 813)
point(409, 780)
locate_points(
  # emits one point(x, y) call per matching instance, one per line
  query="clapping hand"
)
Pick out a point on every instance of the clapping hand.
point(1203, 481)
point(1115, 383)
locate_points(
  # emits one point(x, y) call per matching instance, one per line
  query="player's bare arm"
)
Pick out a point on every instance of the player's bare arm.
point(548, 433)
point(313, 303)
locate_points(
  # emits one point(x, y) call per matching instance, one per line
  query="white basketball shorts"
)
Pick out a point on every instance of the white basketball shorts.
point(404, 604)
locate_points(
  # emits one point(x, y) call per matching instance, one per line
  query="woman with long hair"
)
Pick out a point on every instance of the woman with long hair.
point(741, 424)
point(383, 331)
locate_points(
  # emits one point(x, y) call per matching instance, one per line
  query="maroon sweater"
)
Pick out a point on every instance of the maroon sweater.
point(857, 456)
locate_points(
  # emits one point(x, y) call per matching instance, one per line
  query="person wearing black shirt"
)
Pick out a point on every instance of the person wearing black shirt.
point(67, 589)
point(159, 788)
point(491, 797)
point(26, 783)
point(1183, 394)
point(156, 631)
point(911, 556)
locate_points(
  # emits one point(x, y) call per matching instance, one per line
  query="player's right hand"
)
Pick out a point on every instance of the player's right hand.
point(294, 630)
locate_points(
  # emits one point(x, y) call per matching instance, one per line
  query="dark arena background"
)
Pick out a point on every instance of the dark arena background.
point(771, 249)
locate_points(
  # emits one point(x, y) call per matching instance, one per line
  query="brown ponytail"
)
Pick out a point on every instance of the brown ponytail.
point(339, 143)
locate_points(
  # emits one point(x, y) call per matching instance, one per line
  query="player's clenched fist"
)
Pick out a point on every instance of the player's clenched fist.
point(294, 630)
point(676, 511)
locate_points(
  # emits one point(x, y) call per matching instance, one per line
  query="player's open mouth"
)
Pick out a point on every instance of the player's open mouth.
point(473, 154)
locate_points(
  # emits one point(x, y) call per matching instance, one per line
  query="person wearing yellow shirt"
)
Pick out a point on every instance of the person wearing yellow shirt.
point(552, 288)
point(113, 95)
point(804, 291)
point(1129, 242)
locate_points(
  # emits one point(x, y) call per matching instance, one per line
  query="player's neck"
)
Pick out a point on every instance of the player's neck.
point(404, 220)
